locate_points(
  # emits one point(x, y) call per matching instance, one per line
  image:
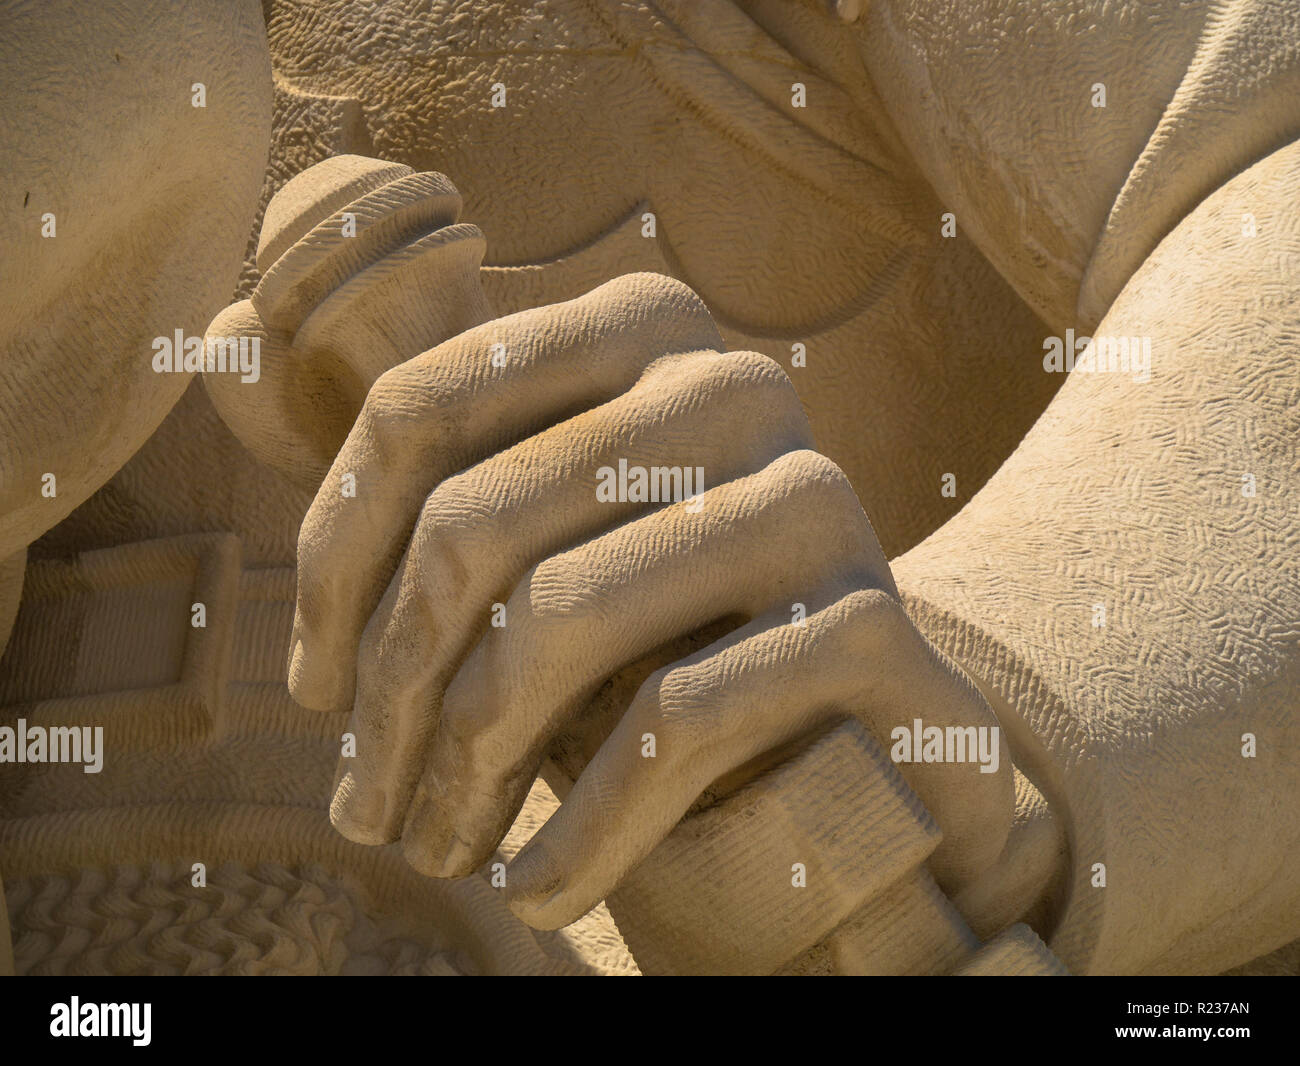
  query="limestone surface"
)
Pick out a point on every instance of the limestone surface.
point(692, 487)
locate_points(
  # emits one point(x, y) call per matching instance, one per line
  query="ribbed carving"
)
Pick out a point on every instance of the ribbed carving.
point(265, 919)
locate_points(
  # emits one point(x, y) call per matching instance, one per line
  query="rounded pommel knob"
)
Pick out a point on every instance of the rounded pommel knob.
point(316, 193)
point(364, 266)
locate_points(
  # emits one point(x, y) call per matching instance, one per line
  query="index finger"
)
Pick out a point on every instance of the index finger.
point(441, 412)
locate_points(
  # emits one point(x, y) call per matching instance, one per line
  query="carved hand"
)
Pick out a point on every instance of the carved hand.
point(466, 495)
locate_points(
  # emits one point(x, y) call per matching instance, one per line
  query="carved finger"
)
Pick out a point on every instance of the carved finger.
point(748, 694)
point(440, 413)
point(721, 415)
point(790, 532)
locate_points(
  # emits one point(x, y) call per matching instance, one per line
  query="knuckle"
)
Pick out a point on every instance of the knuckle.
point(758, 370)
point(756, 379)
point(379, 420)
point(688, 698)
point(681, 321)
point(397, 401)
point(815, 482)
point(461, 510)
point(873, 609)
point(563, 592)
point(658, 293)
point(868, 618)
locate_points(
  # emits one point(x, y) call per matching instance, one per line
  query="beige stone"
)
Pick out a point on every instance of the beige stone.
point(791, 264)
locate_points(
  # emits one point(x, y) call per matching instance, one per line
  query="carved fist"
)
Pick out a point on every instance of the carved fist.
point(530, 508)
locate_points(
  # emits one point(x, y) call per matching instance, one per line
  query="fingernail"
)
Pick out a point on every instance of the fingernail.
point(431, 846)
point(541, 914)
point(358, 813)
point(534, 883)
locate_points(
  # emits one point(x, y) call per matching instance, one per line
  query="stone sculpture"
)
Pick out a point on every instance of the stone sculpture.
point(573, 347)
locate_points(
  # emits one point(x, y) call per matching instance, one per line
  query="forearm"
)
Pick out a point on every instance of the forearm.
point(1167, 504)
